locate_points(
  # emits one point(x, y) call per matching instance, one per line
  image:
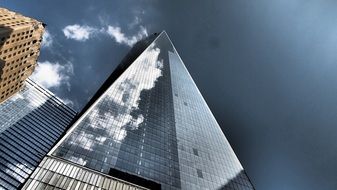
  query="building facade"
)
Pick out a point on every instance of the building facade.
point(31, 122)
point(147, 125)
point(20, 40)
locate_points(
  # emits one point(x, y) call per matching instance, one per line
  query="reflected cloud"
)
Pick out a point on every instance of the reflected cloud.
point(239, 181)
point(127, 89)
point(15, 170)
point(114, 115)
point(136, 122)
point(86, 140)
point(27, 97)
point(101, 140)
point(80, 161)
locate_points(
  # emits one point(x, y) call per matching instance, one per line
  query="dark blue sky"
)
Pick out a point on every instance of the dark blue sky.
point(268, 70)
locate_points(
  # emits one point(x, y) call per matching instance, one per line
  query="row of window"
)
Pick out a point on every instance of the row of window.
point(16, 35)
point(61, 115)
point(196, 128)
point(6, 182)
point(17, 40)
point(68, 113)
point(8, 18)
point(15, 66)
point(33, 106)
point(14, 23)
point(30, 134)
point(16, 61)
point(54, 173)
point(16, 47)
point(10, 90)
point(13, 75)
point(148, 149)
point(21, 34)
point(17, 71)
point(15, 53)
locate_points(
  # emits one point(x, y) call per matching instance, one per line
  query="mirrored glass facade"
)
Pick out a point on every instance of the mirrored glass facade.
point(31, 122)
point(153, 122)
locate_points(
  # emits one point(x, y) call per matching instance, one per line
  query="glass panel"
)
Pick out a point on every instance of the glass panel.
point(153, 122)
point(30, 122)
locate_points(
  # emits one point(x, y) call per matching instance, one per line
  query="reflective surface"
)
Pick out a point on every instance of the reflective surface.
point(56, 174)
point(30, 123)
point(154, 123)
point(206, 159)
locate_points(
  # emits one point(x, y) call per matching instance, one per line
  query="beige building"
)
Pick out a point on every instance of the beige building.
point(20, 41)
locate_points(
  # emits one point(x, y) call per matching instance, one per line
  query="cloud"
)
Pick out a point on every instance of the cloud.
point(136, 21)
point(116, 33)
point(84, 32)
point(78, 32)
point(77, 160)
point(51, 75)
point(15, 169)
point(47, 39)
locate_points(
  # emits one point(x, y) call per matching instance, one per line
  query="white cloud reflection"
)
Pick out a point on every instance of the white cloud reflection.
point(123, 95)
point(127, 89)
point(85, 140)
point(15, 170)
point(77, 160)
point(21, 103)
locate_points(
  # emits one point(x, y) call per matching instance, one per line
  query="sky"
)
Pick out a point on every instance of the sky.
point(267, 70)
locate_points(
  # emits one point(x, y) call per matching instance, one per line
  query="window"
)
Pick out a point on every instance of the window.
point(195, 152)
point(199, 172)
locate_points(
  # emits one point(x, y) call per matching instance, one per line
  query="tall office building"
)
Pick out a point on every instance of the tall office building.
point(31, 121)
point(20, 39)
point(148, 127)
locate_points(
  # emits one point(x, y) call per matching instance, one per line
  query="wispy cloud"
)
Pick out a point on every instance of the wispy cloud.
point(136, 21)
point(78, 32)
point(116, 33)
point(47, 39)
point(52, 75)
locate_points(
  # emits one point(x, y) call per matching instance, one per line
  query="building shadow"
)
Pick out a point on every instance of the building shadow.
point(5, 33)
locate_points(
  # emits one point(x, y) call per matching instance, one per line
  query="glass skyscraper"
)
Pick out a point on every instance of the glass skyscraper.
point(148, 127)
point(31, 122)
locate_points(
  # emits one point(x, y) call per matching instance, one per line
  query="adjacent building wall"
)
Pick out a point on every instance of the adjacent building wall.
point(20, 41)
point(31, 122)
